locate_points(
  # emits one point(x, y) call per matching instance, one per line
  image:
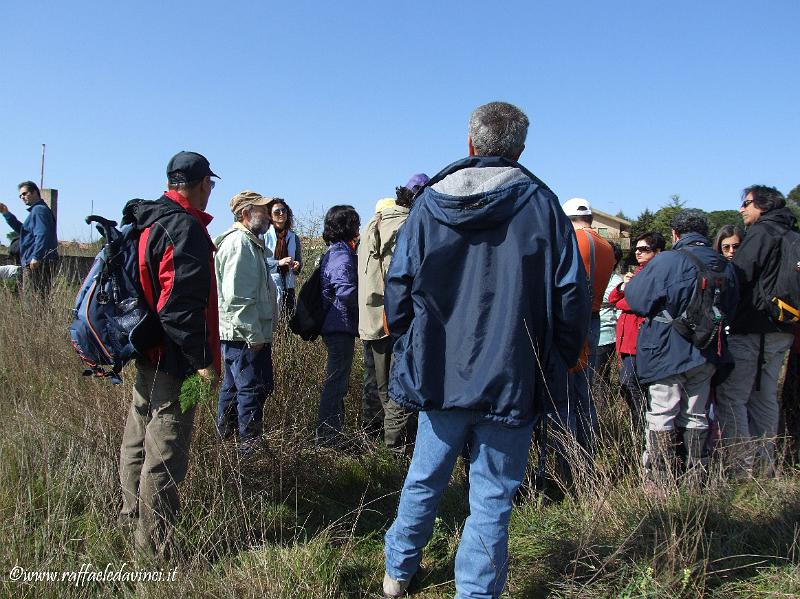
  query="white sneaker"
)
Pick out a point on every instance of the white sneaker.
point(394, 588)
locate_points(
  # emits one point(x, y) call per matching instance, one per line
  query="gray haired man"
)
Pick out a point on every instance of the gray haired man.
point(486, 298)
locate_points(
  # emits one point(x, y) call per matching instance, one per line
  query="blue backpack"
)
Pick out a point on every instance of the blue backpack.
point(112, 321)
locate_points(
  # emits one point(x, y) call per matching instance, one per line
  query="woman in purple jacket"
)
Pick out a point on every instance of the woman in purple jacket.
point(339, 279)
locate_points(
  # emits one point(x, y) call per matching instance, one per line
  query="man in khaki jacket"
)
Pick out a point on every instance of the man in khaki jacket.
point(247, 304)
point(374, 255)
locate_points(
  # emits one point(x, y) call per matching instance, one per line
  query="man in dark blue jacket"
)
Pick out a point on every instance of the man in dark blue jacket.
point(38, 242)
point(678, 373)
point(487, 299)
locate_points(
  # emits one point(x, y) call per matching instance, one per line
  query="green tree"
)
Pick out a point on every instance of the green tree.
point(664, 215)
point(720, 218)
point(643, 223)
point(794, 195)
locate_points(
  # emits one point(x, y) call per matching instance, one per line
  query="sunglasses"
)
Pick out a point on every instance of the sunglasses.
point(730, 246)
point(643, 249)
point(746, 203)
point(279, 211)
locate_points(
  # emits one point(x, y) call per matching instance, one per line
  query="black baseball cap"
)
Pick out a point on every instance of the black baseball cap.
point(191, 165)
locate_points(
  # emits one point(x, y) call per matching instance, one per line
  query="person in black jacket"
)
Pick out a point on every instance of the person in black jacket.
point(177, 276)
point(747, 399)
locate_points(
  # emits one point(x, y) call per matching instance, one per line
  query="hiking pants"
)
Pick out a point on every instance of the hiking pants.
point(748, 417)
point(371, 406)
point(399, 424)
point(154, 458)
point(337, 379)
point(247, 382)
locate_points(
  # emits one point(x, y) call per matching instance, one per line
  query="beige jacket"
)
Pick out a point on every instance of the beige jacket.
point(374, 256)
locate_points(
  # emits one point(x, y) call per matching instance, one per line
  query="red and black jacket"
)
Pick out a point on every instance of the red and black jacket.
point(176, 269)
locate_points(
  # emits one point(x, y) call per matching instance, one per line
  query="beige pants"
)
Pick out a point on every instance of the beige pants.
point(154, 458)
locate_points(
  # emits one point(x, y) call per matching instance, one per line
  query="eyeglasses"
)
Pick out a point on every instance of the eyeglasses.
point(730, 246)
point(279, 211)
point(643, 249)
point(746, 203)
point(24, 193)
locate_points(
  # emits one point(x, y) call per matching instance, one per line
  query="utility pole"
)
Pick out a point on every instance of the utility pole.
point(41, 178)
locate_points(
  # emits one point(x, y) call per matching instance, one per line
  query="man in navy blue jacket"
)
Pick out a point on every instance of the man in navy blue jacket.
point(38, 242)
point(487, 299)
point(678, 373)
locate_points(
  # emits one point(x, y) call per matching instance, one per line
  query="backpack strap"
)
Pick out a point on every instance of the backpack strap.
point(665, 316)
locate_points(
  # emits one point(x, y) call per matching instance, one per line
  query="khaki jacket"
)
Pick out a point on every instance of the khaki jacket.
point(374, 256)
point(246, 293)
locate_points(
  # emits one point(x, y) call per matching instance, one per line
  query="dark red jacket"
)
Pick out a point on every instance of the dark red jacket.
point(628, 323)
point(176, 268)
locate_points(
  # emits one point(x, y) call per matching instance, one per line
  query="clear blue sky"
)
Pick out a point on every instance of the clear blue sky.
point(339, 102)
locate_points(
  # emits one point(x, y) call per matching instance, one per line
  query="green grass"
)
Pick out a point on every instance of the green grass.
point(301, 522)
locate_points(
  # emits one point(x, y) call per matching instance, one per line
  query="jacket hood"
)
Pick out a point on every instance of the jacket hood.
point(394, 212)
point(691, 239)
point(238, 227)
point(780, 216)
point(145, 212)
point(479, 192)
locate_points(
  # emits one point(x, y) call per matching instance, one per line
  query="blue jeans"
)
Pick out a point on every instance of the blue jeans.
point(498, 455)
point(246, 384)
point(330, 422)
point(579, 415)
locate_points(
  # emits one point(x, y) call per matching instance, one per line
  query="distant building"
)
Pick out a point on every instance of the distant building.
point(613, 228)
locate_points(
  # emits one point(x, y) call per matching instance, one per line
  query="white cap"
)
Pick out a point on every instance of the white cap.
point(577, 207)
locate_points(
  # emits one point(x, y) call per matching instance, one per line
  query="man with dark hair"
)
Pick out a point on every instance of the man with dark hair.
point(487, 301)
point(176, 267)
point(747, 400)
point(677, 372)
point(375, 252)
point(38, 243)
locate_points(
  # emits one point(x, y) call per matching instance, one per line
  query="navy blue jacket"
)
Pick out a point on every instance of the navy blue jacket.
point(486, 294)
point(667, 283)
point(37, 235)
point(339, 279)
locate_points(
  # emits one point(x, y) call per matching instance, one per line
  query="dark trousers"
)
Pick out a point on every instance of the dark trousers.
point(37, 284)
point(633, 392)
point(399, 424)
point(371, 405)
point(330, 422)
point(246, 383)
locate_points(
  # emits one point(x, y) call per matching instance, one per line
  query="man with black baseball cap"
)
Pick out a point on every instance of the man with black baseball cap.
point(176, 267)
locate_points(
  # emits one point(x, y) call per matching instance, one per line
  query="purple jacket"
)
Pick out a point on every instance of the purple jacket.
point(339, 289)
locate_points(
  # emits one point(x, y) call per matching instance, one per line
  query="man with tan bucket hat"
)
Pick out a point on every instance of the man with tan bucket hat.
point(247, 304)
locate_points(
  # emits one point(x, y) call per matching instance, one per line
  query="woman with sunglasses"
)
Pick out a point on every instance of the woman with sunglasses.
point(645, 247)
point(287, 258)
point(728, 240)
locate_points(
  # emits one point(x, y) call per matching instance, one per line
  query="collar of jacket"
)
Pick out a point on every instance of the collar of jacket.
point(481, 162)
point(204, 217)
point(239, 226)
point(694, 239)
point(32, 206)
point(782, 217)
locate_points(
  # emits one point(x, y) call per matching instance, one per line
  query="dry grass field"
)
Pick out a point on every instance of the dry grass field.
point(297, 521)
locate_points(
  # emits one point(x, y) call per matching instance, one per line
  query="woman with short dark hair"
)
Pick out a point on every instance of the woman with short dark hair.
point(645, 247)
point(339, 281)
